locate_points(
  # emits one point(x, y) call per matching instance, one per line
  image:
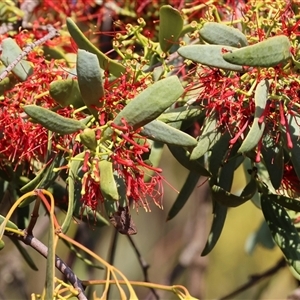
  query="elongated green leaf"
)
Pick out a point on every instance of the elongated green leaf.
point(10, 51)
point(218, 153)
point(50, 265)
point(273, 156)
point(268, 53)
point(183, 113)
point(151, 102)
point(257, 129)
point(209, 55)
point(184, 194)
point(219, 212)
point(221, 34)
point(66, 92)
point(285, 201)
point(53, 121)
point(170, 26)
point(230, 200)
point(283, 231)
point(82, 42)
point(261, 237)
point(90, 80)
point(183, 157)
point(75, 164)
point(154, 157)
point(43, 180)
point(161, 132)
point(8, 224)
point(207, 139)
point(294, 131)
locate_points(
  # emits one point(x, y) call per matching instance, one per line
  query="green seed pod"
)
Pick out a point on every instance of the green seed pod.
point(10, 51)
point(66, 92)
point(170, 26)
point(221, 34)
point(82, 42)
point(88, 138)
point(53, 121)
point(268, 53)
point(108, 184)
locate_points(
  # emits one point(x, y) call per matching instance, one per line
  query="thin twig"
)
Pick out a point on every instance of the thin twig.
point(52, 33)
point(59, 263)
point(144, 265)
point(254, 279)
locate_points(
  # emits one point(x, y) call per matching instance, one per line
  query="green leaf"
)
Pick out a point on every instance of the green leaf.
point(161, 132)
point(66, 92)
point(184, 194)
point(183, 157)
point(261, 237)
point(208, 137)
point(257, 129)
point(50, 264)
point(8, 224)
point(209, 55)
point(75, 164)
point(283, 231)
point(90, 80)
point(82, 42)
point(273, 156)
point(183, 113)
point(219, 217)
point(10, 51)
point(218, 153)
point(151, 102)
point(221, 34)
point(268, 53)
point(230, 200)
point(156, 153)
point(108, 184)
point(53, 121)
point(170, 26)
point(44, 179)
point(286, 202)
point(293, 122)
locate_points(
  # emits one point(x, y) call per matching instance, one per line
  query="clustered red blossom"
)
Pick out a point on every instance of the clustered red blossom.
point(230, 95)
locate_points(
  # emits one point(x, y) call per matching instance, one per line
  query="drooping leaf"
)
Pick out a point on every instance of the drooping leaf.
point(273, 156)
point(262, 236)
point(209, 135)
point(283, 231)
point(257, 128)
point(219, 217)
point(161, 132)
point(183, 157)
point(184, 194)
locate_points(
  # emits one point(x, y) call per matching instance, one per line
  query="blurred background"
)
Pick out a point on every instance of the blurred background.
point(172, 249)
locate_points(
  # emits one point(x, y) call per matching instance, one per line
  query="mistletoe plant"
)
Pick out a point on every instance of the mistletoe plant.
point(226, 71)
